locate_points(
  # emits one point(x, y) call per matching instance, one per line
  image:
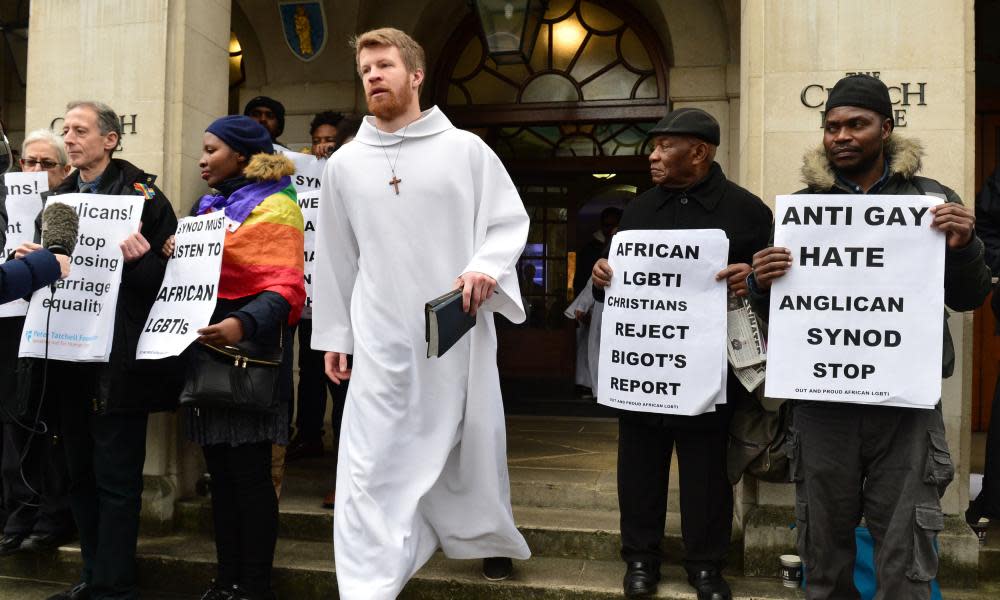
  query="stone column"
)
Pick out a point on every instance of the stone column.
point(162, 65)
point(791, 53)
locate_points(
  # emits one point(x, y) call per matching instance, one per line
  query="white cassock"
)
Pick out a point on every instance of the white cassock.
point(423, 459)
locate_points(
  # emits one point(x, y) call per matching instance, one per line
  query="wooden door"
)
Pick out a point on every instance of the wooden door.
point(986, 344)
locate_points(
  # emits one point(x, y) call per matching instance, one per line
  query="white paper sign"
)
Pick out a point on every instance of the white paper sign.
point(308, 170)
point(24, 202)
point(858, 316)
point(309, 203)
point(189, 291)
point(663, 332)
point(83, 307)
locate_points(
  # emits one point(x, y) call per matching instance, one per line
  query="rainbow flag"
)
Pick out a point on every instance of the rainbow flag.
point(266, 253)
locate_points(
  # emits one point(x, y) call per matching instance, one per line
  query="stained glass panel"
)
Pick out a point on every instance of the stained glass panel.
point(550, 87)
point(599, 18)
point(600, 51)
point(487, 88)
point(586, 39)
point(616, 82)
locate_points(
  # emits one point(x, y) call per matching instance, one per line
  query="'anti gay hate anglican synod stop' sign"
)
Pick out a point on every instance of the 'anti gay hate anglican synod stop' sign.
point(857, 318)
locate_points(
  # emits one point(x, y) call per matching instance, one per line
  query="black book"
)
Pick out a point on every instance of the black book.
point(446, 322)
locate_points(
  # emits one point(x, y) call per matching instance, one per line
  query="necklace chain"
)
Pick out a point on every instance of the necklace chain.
point(392, 163)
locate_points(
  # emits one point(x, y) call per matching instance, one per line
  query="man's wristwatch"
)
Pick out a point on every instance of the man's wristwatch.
point(752, 285)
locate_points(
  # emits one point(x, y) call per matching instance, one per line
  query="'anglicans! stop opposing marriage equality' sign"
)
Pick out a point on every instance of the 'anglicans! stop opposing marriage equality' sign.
point(663, 334)
point(77, 321)
point(857, 318)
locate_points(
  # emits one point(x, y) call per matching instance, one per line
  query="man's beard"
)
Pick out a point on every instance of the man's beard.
point(390, 105)
point(863, 163)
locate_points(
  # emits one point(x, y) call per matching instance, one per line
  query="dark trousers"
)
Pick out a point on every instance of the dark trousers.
point(644, 451)
point(245, 514)
point(988, 502)
point(887, 464)
point(286, 376)
point(104, 456)
point(313, 384)
point(35, 490)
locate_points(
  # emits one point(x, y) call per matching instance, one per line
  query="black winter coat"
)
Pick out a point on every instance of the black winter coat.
point(713, 203)
point(125, 384)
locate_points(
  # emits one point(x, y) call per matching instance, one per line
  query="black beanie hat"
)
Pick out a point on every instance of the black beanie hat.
point(862, 91)
point(242, 134)
point(276, 107)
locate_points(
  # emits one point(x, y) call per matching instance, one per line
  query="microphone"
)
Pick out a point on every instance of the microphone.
point(60, 228)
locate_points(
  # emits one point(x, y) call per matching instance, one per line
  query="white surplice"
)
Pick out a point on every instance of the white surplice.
point(422, 460)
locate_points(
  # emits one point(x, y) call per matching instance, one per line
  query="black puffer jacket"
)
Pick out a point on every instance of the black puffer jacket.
point(125, 384)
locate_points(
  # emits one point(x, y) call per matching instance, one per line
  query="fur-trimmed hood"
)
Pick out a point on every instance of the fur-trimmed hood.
point(268, 167)
point(905, 158)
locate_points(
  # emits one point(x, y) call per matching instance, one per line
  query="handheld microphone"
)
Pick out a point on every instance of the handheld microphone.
point(60, 228)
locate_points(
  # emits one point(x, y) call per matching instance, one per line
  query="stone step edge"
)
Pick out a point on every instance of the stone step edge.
point(189, 570)
point(192, 571)
point(526, 517)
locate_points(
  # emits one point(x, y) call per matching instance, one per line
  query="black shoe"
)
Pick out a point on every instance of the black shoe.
point(218, 592)
point(11, 543)
point(641, 579)
point(46, 542)
point(79, 592)
point(710, 585)
point(238, 593)
point(497, 568)
point(304, 448)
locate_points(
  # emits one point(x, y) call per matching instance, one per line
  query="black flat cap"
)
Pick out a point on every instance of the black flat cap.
point(689, 121)
point(862, 91)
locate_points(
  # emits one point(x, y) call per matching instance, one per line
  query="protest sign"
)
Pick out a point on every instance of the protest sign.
point(309, 203)
point(308, 170)
point(79, 317)
point(663, 332)
point(189, 291)
point(24, 202)
point(857, 318)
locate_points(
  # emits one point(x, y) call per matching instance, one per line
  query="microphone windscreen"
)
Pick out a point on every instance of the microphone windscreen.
point(60, 227)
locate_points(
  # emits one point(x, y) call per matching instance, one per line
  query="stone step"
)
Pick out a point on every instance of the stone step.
point(989, 554)
point(591, 489)
point(553, 463)
point(562, 533)
point(183, 564)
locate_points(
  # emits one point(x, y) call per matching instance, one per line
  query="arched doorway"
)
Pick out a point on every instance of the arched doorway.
point(569, 125)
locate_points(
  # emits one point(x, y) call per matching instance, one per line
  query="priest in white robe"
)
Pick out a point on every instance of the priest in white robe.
point(409, 210)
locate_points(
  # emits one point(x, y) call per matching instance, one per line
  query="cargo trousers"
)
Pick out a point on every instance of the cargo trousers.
point(889, 465)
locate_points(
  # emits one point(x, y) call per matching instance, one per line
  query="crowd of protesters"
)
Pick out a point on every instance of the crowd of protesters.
point(81, 476)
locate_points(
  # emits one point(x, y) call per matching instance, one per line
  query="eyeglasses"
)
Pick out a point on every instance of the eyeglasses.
point(32, 163)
